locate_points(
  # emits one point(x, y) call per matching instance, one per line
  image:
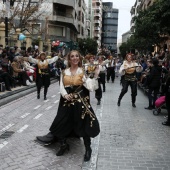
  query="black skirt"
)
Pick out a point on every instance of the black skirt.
point(75, 116)
point(43, 80)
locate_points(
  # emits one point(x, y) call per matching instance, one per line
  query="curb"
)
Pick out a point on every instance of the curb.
point(16, 94)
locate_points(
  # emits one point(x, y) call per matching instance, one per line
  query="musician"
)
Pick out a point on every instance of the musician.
point(129, 69)
point(111, 69)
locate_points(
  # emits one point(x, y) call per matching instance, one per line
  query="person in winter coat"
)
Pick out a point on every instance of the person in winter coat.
point(154, 83)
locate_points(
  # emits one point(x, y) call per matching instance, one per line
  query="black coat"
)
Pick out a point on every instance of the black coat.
point(154, 78)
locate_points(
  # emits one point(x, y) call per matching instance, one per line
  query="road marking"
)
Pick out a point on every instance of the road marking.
point(25, 115)
point(7, 127)
point(46, 100)
point(58, 92)
point(38, 116)
point(3, 144)
point(37, 107)
point(22, 129)
point(53, 96)
point(49, 107)
point(56, 101)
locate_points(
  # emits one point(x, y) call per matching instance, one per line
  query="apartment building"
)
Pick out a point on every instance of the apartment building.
point(97, 20)
point(109, 26)
point(134, 12)
point(82, 12)
point(146, 3)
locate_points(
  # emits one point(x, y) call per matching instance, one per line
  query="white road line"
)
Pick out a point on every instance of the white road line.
point(46, 100)
point(3, 144)
point(56, 101)
point(37, 107)
point(38, 116)
point(58, 92)
point(25, 115)
point(53, 96)
point(22, 129)
point(49, 107)
point(7, 127)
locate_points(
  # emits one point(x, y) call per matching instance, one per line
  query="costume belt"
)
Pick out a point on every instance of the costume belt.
point(43, 71)
point(130, 77)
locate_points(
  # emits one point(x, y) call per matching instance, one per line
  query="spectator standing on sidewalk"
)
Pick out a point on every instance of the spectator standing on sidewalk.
point(43, 75)
point(129, 69)
point(75, 113)
point(167, 99)
point(154, 82)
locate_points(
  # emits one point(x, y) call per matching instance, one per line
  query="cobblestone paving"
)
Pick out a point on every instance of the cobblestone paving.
point(131, 138)
point(29, 117)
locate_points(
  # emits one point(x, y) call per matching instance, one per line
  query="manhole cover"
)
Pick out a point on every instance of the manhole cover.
point(6, 134)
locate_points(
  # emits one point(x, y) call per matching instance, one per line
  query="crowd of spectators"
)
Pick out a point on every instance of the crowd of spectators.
point(14, 71)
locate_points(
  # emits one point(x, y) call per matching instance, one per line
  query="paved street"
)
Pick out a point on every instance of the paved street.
point(130, 138)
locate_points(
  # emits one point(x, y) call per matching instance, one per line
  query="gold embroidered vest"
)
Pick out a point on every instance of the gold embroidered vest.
point(75, 80)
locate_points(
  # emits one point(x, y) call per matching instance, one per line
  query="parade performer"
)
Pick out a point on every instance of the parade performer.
point(129, 69)
point(75, 113)
point(43, 75)
point(90, 67)
point(102, 74)
point(111, 69)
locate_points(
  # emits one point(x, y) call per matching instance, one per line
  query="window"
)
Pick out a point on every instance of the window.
point(56, 30)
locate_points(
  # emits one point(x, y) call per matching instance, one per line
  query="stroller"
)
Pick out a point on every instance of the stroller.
point(159, 104)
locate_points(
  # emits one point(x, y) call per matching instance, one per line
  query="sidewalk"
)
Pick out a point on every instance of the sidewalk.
point(19, 91)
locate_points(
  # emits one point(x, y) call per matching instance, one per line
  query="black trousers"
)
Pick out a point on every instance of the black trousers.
point(111, 73)
point(102, 80)
point(98, 92)
point(7, 80)
point(153, 98)
point(125, 85)
point(168, 105)
point(39, 89)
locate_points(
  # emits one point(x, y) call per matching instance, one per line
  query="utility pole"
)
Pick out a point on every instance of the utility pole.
point(7, 7)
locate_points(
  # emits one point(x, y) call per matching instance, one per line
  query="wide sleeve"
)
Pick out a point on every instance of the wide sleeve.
point(62, 89)
point(32, 60)
point(52, 60)
point(122, 70)
point(139, 68)
point(90, 84)
point(105, 62)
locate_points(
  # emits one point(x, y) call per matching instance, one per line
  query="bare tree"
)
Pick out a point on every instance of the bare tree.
point(27, 13)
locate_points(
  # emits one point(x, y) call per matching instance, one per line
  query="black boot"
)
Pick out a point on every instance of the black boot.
point(98, 102)
point(87, 155)
point(118, 103)
point(87, 143)
point(38, 96)
point(64, 146)
point(46, 139)
point(45, 93)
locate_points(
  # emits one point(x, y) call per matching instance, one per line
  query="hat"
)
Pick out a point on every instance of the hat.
point(42, 53)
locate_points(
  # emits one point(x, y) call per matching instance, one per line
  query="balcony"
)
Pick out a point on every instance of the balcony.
point(63, 17)
point(97, 35)
point(97, 21)
point(97, 28)
point(97, 14)
point(97, 7)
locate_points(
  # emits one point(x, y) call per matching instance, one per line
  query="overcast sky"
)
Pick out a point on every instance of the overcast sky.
point(124, 7)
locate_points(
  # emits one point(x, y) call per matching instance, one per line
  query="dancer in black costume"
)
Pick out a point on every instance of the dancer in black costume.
point(129, 69)
point(43, 75)
point(75, 113)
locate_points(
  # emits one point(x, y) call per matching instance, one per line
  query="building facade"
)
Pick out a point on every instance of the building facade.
point(109, 26)
point(126, 36)
point(97, 20)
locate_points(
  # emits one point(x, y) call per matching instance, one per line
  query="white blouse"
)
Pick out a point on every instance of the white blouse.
point(35, 61)
point(90, 84)
point(130, 64)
